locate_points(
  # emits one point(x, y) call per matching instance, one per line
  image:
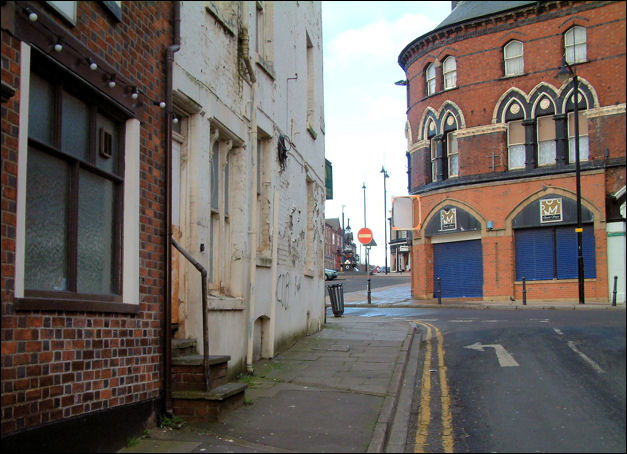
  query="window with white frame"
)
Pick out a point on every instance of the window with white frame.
point(575, 45)
point(452, 154)
point(79, 216)
point(515, 145)
point(434, 160)
point(449, 70)
point(430, 78)
point(583, 137)
point(547, 145)
point(514, 61)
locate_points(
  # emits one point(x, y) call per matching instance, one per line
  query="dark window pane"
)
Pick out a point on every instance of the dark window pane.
point(40, 110)
point(75, 127)
point(95, 234)
point(46, 214)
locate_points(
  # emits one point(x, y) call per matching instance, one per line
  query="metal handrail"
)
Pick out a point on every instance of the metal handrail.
point(205, 332)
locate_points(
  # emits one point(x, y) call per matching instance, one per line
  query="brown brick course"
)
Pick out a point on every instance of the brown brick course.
point(61, 364)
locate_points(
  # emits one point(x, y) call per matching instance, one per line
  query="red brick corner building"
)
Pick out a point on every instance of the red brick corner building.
point(491, 138)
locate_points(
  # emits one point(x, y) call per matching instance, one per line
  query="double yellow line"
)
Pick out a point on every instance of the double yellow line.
point(424, 415)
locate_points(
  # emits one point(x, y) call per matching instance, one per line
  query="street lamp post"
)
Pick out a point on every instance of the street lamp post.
point(566, 71)
point(385, 213)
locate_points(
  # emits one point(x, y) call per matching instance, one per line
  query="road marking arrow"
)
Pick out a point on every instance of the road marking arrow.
point(504, 358)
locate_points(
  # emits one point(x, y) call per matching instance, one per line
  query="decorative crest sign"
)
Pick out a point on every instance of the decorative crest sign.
point(551, 210)
point(448, 219)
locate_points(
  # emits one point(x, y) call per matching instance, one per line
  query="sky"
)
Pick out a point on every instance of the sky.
point(365, 113)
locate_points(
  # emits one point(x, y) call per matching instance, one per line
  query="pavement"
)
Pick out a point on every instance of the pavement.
point(346, 388)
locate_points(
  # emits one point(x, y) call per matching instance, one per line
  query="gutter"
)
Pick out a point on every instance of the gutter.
point(167, 332)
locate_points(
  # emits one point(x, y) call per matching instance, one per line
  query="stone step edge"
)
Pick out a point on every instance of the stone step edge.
point(197, 360)
point(220, 393)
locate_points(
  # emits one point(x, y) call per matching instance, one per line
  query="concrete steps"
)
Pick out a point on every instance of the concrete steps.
point(190, 398)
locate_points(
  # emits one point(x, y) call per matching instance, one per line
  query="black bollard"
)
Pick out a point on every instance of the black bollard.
point(524, 291)
point(439, 291)
point(614, 292)
point(369, 299)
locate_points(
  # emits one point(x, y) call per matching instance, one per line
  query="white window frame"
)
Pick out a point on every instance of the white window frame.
point(449, 72)
point(511, 59)
point(131, 196)
point(575, 49)
point(430, 79)
point(452, 152)
point(584, 145)
point(546, 148)
point(434, 159)
point(515, 148)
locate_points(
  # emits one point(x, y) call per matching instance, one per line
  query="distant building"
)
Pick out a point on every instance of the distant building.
point(400, 247)
point(332, 244)
point(491, 150)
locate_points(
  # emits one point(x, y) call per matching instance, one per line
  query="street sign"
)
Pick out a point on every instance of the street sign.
point(364, 235)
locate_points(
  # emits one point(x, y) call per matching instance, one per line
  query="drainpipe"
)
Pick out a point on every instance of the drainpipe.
point(252, 232)
point(167, 347)
point(274, 271)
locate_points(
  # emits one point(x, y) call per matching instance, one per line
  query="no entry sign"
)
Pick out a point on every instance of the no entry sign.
point(364, 235)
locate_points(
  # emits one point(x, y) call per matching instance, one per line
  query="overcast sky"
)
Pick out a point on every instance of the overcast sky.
point(365, 113)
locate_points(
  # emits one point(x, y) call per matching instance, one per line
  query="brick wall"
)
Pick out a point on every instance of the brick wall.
point(499, 266)
point(56, 365)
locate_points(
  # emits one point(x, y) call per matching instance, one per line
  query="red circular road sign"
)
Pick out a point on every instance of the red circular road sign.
point(364, 235)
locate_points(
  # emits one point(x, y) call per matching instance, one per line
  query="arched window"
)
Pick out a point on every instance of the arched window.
point(430, 77)
point(515, 145)
point(449, 70)
point(513, 56)
point(575, 44)
point(452, 154)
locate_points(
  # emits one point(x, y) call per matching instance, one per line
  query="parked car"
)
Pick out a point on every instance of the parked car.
point(329, 275)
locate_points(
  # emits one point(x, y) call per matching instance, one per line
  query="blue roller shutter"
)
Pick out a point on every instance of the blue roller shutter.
point(459, 265)
point(534, 254)
point(566, 252)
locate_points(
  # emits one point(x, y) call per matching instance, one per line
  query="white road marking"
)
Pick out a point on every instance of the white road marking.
point(541, 320)
point(462, 321)
point(558, 331)
point(504, 358)
point(585, 357)
point(492, 321)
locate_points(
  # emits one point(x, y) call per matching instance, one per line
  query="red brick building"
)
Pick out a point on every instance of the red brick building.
point(332, 244)
point(84, 216)
point(491, 134)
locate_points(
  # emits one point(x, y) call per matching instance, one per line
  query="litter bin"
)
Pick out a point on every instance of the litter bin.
point(336, 293)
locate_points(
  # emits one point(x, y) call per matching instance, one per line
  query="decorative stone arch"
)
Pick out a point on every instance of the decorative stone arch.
point(589, 100)
point(428, 114)
point(450, 108)
point(539, 93)
point(513, 95)
point(472, 217)
point(408, 134)
point(544, 192)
